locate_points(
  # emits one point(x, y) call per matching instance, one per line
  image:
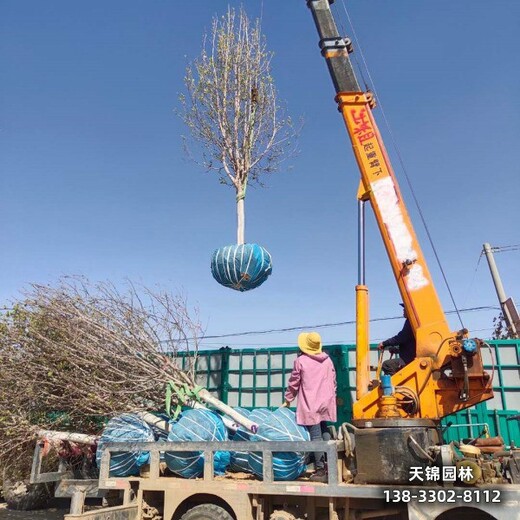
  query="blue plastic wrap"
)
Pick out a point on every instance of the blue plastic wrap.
point(241, 267)
point(125, 428)
point(240, 459)
point(196, 426)
point(280, 426)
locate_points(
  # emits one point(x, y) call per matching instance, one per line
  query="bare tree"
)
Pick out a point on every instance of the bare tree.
point(501, 330)
point(232, 110)
point(77, 353)
point(74, 354)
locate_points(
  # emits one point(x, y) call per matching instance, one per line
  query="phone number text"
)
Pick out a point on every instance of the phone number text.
point(447, 496)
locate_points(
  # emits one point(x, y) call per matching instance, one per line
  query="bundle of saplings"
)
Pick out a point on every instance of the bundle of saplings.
point(77, 353)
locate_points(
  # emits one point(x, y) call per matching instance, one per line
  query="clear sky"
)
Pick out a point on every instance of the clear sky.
point(94, 180)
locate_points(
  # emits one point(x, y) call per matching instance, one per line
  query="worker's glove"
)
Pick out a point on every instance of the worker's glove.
point(380, 347)
point(393, 350)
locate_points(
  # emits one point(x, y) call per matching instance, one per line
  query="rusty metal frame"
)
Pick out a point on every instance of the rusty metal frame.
point(267, 448)
point(332, 490)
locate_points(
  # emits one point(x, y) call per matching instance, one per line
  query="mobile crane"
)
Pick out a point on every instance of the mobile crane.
point(447, 374)
point(395, 422)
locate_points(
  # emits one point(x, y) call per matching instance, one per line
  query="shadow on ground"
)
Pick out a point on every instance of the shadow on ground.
point(44, 514)
point(57, 509)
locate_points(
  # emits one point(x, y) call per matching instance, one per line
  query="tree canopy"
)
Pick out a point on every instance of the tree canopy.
point(231, 107)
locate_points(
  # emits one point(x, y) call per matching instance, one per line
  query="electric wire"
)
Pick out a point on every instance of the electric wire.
point(494, 249)
point(337, 324)
point(321, 325)
point(291, 343)
point(408, 181)
point(505, 249)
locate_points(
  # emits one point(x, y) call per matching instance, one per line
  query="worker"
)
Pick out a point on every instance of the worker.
point(313, 382)
point(403, 344)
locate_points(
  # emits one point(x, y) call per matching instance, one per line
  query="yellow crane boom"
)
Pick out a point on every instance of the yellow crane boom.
point(447, 374)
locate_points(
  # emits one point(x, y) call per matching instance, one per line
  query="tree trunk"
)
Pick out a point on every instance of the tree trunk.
point(241, 225)
point(153, 420)
point(80, 438)
point(224, 408)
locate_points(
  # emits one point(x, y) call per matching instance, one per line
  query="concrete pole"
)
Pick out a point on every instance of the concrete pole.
point(499, 287)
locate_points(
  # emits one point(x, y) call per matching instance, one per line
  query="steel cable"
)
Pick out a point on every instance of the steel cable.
point(408, 181)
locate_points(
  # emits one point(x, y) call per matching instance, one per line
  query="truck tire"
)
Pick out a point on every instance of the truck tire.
point(19, 495)
point(206, 512)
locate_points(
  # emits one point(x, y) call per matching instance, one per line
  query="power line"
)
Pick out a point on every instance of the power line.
point(217, 344)
point(505, 249)
point(325, 325)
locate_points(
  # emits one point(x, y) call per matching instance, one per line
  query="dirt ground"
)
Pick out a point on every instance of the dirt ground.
point(52, 513)
point(56, 509)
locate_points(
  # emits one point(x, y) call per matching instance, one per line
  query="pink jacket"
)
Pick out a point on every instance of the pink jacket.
point(313, 381)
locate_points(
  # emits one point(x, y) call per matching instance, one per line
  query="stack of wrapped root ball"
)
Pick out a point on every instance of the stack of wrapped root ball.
point(202, 425)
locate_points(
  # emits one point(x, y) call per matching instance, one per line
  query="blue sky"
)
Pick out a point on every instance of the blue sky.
point(94, 180)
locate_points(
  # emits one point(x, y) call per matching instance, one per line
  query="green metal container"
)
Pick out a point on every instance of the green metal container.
point(257, 378)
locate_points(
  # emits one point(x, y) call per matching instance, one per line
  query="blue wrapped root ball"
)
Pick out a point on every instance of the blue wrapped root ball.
point(281, 426)
point(240, 459)
point(241, 266)
point(125, 428)
point(196, 426)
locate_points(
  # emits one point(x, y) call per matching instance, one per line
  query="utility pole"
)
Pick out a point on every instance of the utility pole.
point(506, 304)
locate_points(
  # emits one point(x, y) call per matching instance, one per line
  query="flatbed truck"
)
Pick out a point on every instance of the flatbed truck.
point(155, 495)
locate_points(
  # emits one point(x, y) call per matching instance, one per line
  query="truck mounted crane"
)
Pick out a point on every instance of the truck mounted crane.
point(438, 348)
point(447, 374)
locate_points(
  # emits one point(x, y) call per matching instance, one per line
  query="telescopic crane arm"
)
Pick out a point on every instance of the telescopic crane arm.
point(447, 374)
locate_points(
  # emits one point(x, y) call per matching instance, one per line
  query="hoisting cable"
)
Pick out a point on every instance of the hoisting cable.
point(358, 65)
point(397, 150)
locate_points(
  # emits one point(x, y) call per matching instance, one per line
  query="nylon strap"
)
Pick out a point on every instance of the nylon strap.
point(184, 394)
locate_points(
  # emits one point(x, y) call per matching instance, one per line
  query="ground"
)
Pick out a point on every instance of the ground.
point(52, 513)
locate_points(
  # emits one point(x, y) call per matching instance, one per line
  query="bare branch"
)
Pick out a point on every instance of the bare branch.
point(231, 108)
point(78, 352)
